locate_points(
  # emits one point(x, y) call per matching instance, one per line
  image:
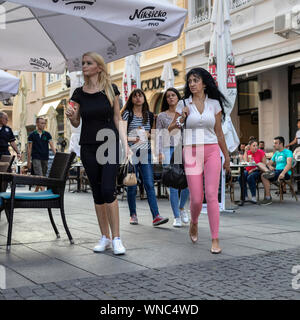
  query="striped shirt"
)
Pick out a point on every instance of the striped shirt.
point(137, 128)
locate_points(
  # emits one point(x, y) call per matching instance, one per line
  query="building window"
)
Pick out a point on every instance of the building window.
point(201, 11)
point(7, 102)
point(235, 4)
point(49, 78)
point(247, 96)
point(33, 83)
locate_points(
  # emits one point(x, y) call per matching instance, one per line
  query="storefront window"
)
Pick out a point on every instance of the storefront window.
point(247, 96)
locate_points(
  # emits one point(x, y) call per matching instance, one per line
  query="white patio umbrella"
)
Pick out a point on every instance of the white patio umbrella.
point(221, 65)
point(52, 124)
point(131, 75)
point(9, 85)
point(50, 35)
point(21, 109)
point(73, 134)
point(74, 140)
point(167, 75)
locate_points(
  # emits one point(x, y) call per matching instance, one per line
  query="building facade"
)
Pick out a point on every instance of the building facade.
point(151, 65)
point(266, 44)
point(46, 96)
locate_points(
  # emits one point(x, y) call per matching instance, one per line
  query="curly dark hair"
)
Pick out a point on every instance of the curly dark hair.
point(164, 103)
point(129, 104)
point(211, 88)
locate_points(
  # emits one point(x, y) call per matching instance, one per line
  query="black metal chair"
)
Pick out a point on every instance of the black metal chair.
point(72, 177)
point(52, 198)
point(157, 177)
point(6, 162)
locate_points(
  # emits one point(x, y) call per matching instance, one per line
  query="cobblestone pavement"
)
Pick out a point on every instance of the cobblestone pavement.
point(264, 276)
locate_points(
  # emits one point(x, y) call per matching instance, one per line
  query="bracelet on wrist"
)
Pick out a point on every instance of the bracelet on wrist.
point(178, 123)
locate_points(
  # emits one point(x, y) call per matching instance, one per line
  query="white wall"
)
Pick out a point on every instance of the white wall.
point(253, 40)
point(274, 113)
point(251, 33)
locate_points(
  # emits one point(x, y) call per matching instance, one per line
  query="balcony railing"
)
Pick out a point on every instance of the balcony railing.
point(202, 17)
point(204, 14)
point(235, 4)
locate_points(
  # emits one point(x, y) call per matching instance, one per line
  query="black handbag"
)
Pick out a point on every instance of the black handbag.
point(173, 175)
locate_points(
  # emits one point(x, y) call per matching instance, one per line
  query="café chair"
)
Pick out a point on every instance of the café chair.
point(279, 185)
point(289, 182)
point(53, 197)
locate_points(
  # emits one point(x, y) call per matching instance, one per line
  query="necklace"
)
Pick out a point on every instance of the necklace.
point(200, 105)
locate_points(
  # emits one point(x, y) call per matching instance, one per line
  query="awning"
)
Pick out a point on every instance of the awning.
point(268, 64)
point(46, 107)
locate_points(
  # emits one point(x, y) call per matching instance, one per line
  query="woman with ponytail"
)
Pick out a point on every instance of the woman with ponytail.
point(97, 103)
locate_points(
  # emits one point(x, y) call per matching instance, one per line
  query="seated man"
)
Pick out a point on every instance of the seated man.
point(261, 145)
point(283, 160)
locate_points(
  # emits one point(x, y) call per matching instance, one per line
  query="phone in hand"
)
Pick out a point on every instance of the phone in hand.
point(72, 104)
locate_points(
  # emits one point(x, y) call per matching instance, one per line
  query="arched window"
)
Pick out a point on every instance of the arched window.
point(158, 103)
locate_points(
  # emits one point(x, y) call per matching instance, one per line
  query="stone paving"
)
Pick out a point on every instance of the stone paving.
point(260, 246)
point(264, 276)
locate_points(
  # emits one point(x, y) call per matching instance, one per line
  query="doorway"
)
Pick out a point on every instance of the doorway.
point(248, 108)
point(294, 100)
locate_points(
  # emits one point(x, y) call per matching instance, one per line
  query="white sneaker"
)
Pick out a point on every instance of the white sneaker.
point(177, 223)
point(184, 216)
point(254, 200)
point(103, 244)
point(118, 246)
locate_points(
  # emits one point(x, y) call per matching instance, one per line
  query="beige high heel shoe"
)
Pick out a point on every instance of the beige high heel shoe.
point(215, 250)
point(194, 232)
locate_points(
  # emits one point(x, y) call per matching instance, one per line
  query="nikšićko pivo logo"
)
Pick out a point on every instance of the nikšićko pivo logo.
point(151, 14)
point(40, 63)
point(78, 5)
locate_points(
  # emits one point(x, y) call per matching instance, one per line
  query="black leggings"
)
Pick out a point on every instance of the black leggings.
point(102, 177)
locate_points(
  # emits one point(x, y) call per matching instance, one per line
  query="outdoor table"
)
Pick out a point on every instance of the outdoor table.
point(242, 167)
point(78, 166)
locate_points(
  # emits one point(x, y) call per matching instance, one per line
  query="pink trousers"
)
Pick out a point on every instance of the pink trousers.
point(199, 160)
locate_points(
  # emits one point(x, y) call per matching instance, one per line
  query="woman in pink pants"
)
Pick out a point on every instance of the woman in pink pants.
point(201, 110)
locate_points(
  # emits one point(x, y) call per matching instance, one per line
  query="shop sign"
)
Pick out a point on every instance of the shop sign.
point(152, 84)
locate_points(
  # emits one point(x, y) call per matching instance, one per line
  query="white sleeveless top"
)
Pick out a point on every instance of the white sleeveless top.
point(200, 127)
